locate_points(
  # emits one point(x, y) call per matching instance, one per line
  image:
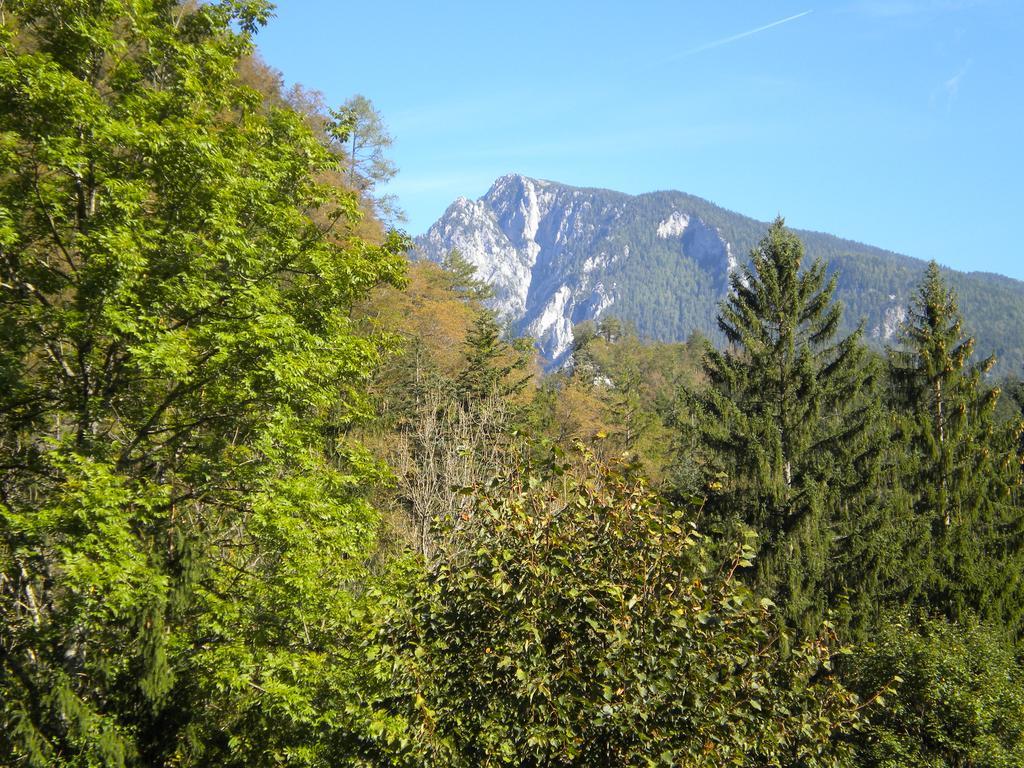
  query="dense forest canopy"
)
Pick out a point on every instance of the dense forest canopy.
point(272, 494)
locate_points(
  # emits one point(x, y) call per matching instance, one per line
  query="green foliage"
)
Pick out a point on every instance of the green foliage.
point(191, 569)
point(630, 387)
point(447, 399)
point(461, 276)
point(362, 138)
point(786, 421)
point(494, 367)
point(961, 469)
point(576, 619)
point(1014, 402)
point(958, 700)
point(179, 534)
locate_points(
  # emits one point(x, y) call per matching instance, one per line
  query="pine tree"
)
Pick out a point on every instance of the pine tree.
point(787, 421)
point(961, 472)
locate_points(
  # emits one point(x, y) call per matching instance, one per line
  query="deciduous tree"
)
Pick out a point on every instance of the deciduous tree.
point(179, 530)
point(576, 619)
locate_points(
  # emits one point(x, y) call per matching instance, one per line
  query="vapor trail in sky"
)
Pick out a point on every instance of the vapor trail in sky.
point(740, 36)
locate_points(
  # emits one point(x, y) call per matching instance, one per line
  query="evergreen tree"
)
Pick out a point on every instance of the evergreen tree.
point(1015, 393)
point(494, 368)
point(462, 278)
point(961, 470)
point(787, 421)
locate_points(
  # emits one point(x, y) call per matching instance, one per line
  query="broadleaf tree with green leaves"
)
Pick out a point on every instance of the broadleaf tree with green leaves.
point(181, 530)
point(577, 619)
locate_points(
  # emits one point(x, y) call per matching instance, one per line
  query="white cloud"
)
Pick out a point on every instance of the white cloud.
point(950, 88)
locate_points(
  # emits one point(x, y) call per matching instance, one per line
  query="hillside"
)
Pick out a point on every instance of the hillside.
point(557, 255)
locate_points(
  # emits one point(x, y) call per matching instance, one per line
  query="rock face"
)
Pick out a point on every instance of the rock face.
point(541, 247)
point(552, 252)
point(557, 255)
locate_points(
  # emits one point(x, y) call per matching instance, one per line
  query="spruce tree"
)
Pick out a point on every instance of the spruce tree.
point(786, 422)
point(961, 472)
point(494, 367)
point(461, 277)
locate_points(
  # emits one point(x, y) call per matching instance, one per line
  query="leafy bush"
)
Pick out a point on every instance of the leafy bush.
point(574, 618)
point(959, 699)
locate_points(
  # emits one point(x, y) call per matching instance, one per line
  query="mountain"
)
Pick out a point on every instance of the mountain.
point(557, 255)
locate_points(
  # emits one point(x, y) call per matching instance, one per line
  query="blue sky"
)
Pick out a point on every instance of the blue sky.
point(899, 123)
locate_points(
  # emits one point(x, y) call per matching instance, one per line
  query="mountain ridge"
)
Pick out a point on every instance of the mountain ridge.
point(556, 254)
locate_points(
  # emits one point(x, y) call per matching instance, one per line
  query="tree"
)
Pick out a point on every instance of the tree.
point(958, 697)
point(462, 278)
point(629, 385)
point(180, 526)
point(435, 438)
point(787, 421)
point(494, 367)
point(962, 470)
point(1015, 393)
point(576, 619)
point(363, 138)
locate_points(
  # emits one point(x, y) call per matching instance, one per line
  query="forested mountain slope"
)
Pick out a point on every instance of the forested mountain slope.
point(557, 255)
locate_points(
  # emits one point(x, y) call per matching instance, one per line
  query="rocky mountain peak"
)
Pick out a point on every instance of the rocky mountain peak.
point(556, 255)
point(534, 241)
point(551, 252)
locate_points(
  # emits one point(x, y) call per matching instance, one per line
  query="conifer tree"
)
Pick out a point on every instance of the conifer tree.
point(462, 277)
point(493, 366)
point(787, 421)
point(962, 472)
